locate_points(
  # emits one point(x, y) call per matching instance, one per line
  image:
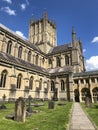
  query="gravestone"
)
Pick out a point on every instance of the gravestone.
point(88, 102)
point(29, 109)
point(3, 103)
point(51, 104)
point(20, 110)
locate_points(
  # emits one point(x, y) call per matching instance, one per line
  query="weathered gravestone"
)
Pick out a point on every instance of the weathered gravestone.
point(29, 109)
point(20, 110)
point(3, 102)
point(51, 104)
point(88, 102)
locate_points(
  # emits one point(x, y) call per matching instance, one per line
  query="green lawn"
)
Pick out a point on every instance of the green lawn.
point(92, 112)
point(47, 119)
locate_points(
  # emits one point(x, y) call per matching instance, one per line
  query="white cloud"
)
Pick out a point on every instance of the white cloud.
point(95, 39)
point(8, 1)
point(23, 6)
point(92, 63)
point(8, 10)
point(20, 34)
point(84, 50)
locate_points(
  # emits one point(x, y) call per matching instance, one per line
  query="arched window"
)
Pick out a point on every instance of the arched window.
point(67, 60)
point(62, 85)
point(29, 56)
point(50, 63)
point(58, 62)
point(52, 86)
point(20, 52)
point(40, 84)
point(36, 60)
point(19, 78)
point(31, 83)
point(3, 78)
point(9, 45)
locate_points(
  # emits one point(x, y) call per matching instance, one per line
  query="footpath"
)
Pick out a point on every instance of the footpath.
point(79, 120)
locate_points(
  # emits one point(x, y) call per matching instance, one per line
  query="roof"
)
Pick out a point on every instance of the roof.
point(87, 73)
point(59, 49)
point(19, 62)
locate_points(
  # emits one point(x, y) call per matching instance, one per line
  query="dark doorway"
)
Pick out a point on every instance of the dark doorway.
point(76, 93)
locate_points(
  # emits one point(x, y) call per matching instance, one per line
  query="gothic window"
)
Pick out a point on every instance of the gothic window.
point(9, 45)
point(19, 78)
point(36, 60)
point(40, 84)
point(67, 60)
point(20, 52)
point(31, 83)
point(62, 85)
point(3, 78)
point(50, 62)
point(29, 56)
point(52, 86)
point(58, 62)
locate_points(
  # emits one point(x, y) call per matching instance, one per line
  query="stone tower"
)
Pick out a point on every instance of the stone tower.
point(43, 33)
point(77, 54)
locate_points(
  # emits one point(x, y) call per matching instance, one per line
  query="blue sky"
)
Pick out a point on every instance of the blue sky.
point(82, 14)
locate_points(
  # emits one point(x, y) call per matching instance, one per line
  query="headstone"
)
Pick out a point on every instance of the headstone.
point(51, 104)
point(29, 109)
point(3, 103)
point(20, 110)
point(88, 102)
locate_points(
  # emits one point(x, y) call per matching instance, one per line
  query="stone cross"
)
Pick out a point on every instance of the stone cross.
point(20, 110)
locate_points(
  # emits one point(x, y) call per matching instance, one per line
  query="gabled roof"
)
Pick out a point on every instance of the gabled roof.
point(60, 48)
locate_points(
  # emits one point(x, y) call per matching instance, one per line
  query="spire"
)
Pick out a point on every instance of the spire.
point(45, 15)
point(32, 20)
point(73, 37)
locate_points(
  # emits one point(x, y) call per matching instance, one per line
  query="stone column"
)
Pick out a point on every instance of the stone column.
point(90, 87)
point(80, 96)
point(70, 95)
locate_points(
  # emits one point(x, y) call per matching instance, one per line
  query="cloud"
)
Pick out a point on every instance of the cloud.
point(8, 10)
point(8, 1)
point(92, 63)
point(84, 50)
point(20, 34)
point(23, 6)
point(95, 39)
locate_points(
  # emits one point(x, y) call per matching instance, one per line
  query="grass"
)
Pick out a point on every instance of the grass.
point(47, 119)
point(92, 112)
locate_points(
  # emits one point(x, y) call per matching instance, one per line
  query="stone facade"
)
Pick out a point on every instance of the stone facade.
point(40, 68)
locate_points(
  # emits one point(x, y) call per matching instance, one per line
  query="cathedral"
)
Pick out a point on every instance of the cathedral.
point(40, 68)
